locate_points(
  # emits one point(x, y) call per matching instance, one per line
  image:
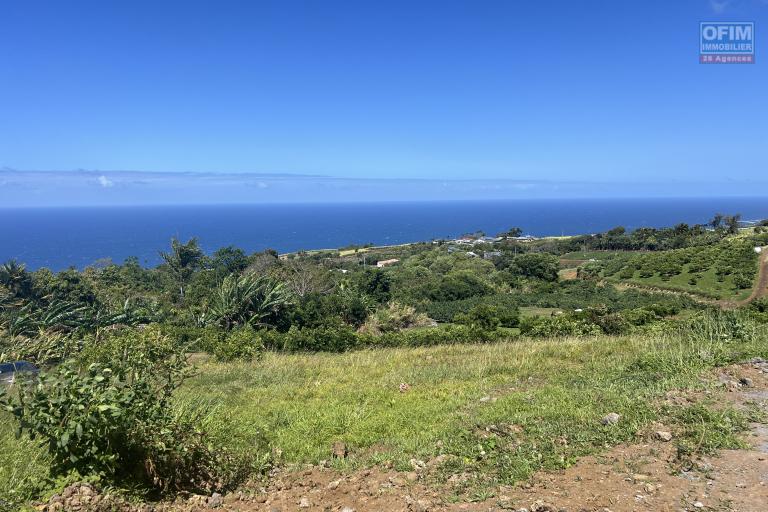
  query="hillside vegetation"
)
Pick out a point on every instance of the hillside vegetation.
point(204, 373)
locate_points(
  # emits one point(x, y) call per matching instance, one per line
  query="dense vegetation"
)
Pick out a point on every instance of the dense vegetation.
point(114, 339)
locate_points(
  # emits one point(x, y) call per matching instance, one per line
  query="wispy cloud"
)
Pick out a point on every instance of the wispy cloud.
point(719, 7)
point(105, 182)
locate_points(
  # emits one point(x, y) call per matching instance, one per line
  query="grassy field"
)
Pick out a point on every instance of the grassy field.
point(546, 398)
point(545, 391)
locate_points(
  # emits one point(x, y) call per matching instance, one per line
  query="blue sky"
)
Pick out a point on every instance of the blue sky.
point(503, 91)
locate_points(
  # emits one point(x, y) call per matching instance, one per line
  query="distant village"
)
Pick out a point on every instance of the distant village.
point(467, 243)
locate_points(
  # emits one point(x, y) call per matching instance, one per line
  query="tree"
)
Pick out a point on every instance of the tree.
point(512, 233)
point(229, 260)
point(732, 223)
point(16, 279)
point(717, 220)
point(536, 265)
point(303, 279)
point(182, 261)
point(247, 300)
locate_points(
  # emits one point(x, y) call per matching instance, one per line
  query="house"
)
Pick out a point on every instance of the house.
point(471, 254)
point(386, 263)
point(487, 255)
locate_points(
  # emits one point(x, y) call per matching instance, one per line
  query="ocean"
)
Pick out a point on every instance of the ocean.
point(58, 238)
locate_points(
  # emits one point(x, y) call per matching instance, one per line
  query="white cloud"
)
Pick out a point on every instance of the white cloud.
point(719, 7)
point(105, 182)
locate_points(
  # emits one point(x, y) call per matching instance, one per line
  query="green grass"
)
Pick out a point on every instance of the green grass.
point(548, 390)
point(498, 411)
point(23, 464)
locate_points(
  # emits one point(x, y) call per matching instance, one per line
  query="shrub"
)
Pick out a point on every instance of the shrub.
point(558, 326)
point(446, 311)
point(487, 317)
point(394, 317)
point(330, 338)
point(113, 417)
point(639, 316)
point(244, 344)
point(442, 335)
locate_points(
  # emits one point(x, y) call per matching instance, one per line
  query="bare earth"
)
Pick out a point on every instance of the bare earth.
point(637, 477)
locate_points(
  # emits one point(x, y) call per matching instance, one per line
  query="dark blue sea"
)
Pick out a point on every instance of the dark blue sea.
point(58, 238)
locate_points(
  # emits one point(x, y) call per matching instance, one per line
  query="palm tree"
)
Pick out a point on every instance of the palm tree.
point(182, 261)
point(248, 299)
point(14, 276)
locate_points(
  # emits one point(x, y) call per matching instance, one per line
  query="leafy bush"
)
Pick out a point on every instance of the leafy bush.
point(394, 317)
point(458, 285)
point(442, 335)
point(329, 338)
point(244, 344)
point(446, 311)
point(487, 317)
point(113, 417)
point(558, 326)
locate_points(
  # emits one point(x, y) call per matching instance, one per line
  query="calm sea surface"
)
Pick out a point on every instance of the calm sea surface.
point(61, 237)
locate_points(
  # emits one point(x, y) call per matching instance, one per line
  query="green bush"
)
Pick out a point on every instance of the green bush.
point(442, 335)
point(244, 344)
point(394, 317)
point(112, 417)
point(446, 311)
point(558, 326)
point(487, 317)
point(330, 338)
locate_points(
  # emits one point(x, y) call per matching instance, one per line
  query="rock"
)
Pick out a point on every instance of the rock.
point(637, 477)
point(746, 382)
point(698, 504)
point(663, 435)
point(732, 385)
point(347, 509)
point(215, 501)
point(339, 450)
point(404, 387)
point(334, 485)
point(421, 506)
point(542, 506)
point(412, 476)
point(486, 398)
point(304, 503)
point(198, 500)
point(417, 464)
point(397, 481)
point(610, 419)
